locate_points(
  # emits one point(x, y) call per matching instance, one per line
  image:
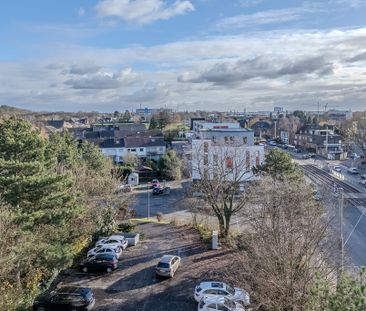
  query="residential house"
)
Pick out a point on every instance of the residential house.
point(144, 148)
point(321, 140)
point(263, 128)
point(285, 137)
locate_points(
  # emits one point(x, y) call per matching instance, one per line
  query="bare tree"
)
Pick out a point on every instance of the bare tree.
point(284, 247)
point(219, 172)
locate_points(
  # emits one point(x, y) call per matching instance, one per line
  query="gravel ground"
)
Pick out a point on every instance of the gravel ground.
point(134, 285)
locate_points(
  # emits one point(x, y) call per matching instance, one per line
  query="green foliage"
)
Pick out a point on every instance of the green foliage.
point(279, 165)
point(170, 166)
point(126, 227)
point(153, 123)
point(348, 294)
point(92, 157)
point(54, 196)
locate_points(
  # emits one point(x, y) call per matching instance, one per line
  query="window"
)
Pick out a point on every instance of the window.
point(216, 159)
point(221, 292)
point(133, 150)
point(211, 292)
point(222, 308)
point(247, 160)
point(257, 159)
point(205, 159)
point(229, 162)
point(205, 147)
point(141, 149)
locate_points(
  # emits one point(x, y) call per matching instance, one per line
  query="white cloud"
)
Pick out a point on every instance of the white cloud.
point(142, 11)
point(351, 3)
point(263, 18)
point(289, 68)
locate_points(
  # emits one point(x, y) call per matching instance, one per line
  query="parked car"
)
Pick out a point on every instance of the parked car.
point(168, 265)
point(363, 182)
point(155, 183)
point(214, 289)
point(363, 176)
point(305, 156)
point(65, 298)
point(105, 249)
point(296, 150)
point(114, 240)
point(157, 191)
point(272, 143)
point(102, 262)
point(219, 303)
point(337, 168)
point(352, 170)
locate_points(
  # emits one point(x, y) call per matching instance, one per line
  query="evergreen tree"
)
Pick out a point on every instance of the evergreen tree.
point(28, 181)
point(170, 166)
point(153, 123)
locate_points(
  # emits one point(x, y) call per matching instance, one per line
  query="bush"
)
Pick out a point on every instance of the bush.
point(126, 227)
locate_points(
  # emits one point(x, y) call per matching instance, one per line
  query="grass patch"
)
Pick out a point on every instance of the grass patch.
point(151, 220)
point(204, 232)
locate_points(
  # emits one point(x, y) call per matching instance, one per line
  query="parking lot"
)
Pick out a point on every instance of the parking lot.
point(134, 285)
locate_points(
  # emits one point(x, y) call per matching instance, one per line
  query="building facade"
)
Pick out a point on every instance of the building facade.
point(224, 149)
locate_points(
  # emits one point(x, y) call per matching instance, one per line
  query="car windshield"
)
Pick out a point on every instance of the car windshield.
point(230, 304)
point(230, 290)
point(163, 265)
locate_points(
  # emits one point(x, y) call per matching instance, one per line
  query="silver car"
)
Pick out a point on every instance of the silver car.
point(168, 265)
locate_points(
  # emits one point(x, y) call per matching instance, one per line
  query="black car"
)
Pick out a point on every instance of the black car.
point(157, 191)
point(65, 299)
point(102, 262)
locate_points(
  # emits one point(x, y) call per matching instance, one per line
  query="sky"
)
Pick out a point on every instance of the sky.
point(107, 55)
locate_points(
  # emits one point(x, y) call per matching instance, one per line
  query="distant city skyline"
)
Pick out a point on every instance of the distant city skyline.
point(107, 55)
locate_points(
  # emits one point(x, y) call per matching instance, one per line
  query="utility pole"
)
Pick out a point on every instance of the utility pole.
point(341, 203)
point(148, 201)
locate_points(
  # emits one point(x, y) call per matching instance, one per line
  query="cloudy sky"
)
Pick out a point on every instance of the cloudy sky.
point(108, 55)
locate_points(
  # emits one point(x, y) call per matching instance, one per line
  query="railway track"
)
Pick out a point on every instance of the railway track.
point(320, 176)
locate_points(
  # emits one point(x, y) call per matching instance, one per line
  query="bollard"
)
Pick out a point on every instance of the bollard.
point(215, 240)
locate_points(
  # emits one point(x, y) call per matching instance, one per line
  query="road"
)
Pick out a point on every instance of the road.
point(354, 223)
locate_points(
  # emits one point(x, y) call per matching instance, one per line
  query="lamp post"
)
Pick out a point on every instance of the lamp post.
point(148, 200)
point(341, 202)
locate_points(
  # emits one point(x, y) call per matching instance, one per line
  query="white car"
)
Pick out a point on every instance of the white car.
point(215, 289)
point(363, 182)
point(114, 239)
point(363, 176)
point(219, 303)
point(105, 249)
point(337, 168)
point(352, 170)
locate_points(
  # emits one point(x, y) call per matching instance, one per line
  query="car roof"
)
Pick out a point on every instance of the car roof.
point(212, 284)
point(167, 258)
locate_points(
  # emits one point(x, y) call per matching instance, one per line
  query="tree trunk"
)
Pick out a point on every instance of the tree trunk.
point(227, 224)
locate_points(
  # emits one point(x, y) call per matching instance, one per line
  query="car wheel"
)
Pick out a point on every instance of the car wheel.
point(85, 269)
point(109, 270)
point(41, 309)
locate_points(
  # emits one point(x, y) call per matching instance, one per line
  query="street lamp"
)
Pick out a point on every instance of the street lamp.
point(148, 200)
point(341, 203)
